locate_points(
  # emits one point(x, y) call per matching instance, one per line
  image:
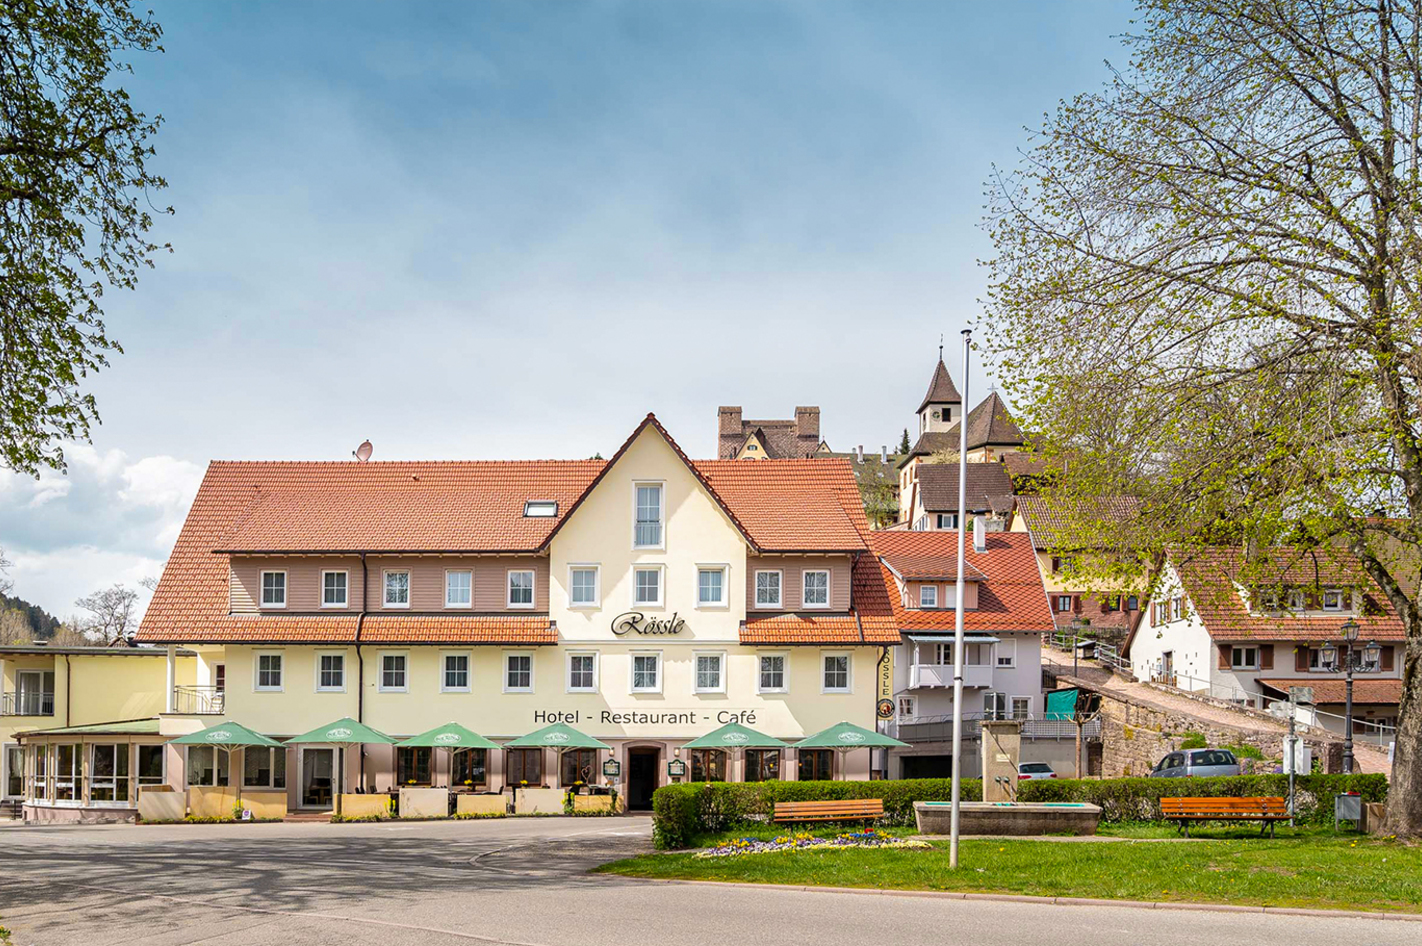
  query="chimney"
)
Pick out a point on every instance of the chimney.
point(729, 432)
point(884, 454)
point(729, 420)
point(807, 424)
point(979, 534)
point(860, 451)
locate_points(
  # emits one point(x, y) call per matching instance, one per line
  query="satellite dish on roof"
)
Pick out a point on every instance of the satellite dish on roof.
point(363, 452)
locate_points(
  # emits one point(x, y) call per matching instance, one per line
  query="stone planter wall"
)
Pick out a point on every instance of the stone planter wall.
point(424, 803)
point(365, 806)
point(538, 801)
point(481, 804)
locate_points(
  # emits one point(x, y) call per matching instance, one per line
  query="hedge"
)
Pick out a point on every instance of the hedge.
point(1138, 799)
point(682, 812)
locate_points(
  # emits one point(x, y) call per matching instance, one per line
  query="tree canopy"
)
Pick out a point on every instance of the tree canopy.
point(75, 210)
point(1206, 291)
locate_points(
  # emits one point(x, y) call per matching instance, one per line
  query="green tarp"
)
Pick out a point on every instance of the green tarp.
point(735, 736)
point(1061, 704)
point(345, 731)
point(557, 736)
point(849, 736)
point(228, 735)
point(449, 736)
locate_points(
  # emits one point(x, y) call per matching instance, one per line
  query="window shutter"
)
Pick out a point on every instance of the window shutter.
point(1076, 603)
point(1387, 657)
point(1224, 656)
point(1266, 656)
point(1301, 658)
point(1056, 564)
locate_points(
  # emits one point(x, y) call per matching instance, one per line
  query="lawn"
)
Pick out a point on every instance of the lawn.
point(1311, 869)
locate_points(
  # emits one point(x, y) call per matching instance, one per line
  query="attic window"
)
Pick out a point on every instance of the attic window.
point(540, 508)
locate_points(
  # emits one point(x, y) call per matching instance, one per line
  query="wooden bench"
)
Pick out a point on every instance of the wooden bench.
point(1267, 810)
point(852, 809)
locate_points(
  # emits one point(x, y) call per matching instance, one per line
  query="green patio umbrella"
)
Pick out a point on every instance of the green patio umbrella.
point(228, 736)
point(451, 736)
point(845, 737)
point(558, 736)
point(735, 736)
point(344, 732)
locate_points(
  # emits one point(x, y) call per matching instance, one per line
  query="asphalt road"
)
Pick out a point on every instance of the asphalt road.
point(519, 881)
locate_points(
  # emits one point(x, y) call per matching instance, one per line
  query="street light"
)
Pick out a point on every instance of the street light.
point(1352, 661)
point(1076, 627)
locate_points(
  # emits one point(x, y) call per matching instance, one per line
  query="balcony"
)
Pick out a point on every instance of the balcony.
point(27, 703)
point(921, 729)
point(941, 675)
point(198, 701)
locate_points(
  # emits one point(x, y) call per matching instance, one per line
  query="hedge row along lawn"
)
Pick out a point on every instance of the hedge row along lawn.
point(1311, 870)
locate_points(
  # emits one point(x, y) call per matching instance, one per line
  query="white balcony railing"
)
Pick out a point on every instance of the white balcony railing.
point(941, 675)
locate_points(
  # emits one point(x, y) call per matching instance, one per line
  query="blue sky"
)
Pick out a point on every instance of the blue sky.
point(480, 230)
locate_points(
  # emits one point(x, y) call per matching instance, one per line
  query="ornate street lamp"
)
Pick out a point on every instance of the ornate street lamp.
point(1351, 662)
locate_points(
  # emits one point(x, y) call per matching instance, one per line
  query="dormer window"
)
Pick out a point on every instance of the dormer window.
point(1297, 600)
point(1332, 599)
point(540, 509)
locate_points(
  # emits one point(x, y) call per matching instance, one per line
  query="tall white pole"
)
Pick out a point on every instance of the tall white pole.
point(958, 610)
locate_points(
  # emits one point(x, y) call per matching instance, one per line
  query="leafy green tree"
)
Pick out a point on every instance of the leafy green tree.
point(904, 445)
point(1206, 291)
point(74, 210)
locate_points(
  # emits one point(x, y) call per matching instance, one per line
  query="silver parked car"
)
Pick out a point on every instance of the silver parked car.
point(1196, 762)
point(1030, 770)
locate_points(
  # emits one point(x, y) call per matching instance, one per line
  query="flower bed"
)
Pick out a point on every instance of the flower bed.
point(803, 841)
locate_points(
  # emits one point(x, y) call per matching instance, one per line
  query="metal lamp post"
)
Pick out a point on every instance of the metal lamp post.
point(1350, 662)
point(1076, 626)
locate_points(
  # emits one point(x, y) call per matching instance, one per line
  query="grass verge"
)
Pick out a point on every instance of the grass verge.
point(1349, 873)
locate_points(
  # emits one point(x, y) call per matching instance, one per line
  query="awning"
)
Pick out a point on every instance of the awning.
point(557, 736)
point(945, 638)
point(227, 735)
point(123, 727)
point(736, 736)
point(344, 731)
point(449, 736)
point(849, 736)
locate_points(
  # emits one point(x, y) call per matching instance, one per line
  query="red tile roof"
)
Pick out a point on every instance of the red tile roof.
point(1062, 522)
point(1010, 597)
point(1334, 691)
point(1210, 579)
point(455, 507)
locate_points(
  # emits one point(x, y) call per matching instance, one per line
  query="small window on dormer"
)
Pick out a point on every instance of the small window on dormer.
point(540, 509)
point(1297, 600)
point(1332, 599)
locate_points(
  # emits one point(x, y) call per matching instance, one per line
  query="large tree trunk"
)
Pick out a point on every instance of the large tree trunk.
point(1404, 796)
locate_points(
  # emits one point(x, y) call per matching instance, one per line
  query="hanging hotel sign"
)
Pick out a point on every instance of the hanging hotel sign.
point(612, 769)
point(635, 622)
point(676, 768)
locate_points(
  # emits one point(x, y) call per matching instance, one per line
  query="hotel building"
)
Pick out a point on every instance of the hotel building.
point(644, 600)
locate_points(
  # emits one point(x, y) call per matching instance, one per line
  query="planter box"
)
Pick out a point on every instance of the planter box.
point(1007, 819)
point(595, 802)
point(363, 806)
point(160, 803)
point(211, 802)
point(424, 803)
point(538, 801)
point(482, 804)
point(264, 805)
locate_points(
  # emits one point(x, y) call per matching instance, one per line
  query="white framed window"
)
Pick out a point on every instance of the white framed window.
point(1021, 707)
point(521, 588)
point(397, 588)
point(710, 672)
point(268, 670)
point(1332, 599)
point(649, 503)
point(1243, 658)
point(330, 672)
point(1297, 600)
point(815, 588)
point(767, 588)
point(647, 586)
point(274, 589)
point(583, 586)
point(334, 589)
point(1269, 601)
point(518, 672)
point(647, 672)
point(928, 596)
point(994, 705)
point(1177, 608)
point(836, 673)
point(540, 508)
point(458, 588)
point(1007, 653)
point(947, 520)
point(711, 586)
point(394, 673)
point(454, 673)
point(908, 707)
point(773, 675)
point(1063, 603)
point(582, 672)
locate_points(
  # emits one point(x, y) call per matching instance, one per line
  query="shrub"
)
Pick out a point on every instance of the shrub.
point(1138, 799)
point(683, 812)
point(1245, 751)
point(1193, 740)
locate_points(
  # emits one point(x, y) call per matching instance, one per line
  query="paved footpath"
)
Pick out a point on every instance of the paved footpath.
point(521, 882)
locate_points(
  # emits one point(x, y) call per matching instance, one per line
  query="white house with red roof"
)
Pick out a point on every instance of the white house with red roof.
point(644, 601)
point(1005, 615)
point(1247, 631)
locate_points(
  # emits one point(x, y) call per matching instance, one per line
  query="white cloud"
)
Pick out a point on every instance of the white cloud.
point(55, 579)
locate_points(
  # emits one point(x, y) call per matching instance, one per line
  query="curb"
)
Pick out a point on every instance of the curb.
point(1052, 901)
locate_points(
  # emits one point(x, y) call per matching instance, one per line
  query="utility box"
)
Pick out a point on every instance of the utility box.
point(1001, 749)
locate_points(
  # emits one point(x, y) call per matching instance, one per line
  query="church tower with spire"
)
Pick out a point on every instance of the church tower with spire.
point(942, 406)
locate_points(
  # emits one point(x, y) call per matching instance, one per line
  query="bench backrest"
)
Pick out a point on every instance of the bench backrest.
point(845, 806)
point(1268, 805)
